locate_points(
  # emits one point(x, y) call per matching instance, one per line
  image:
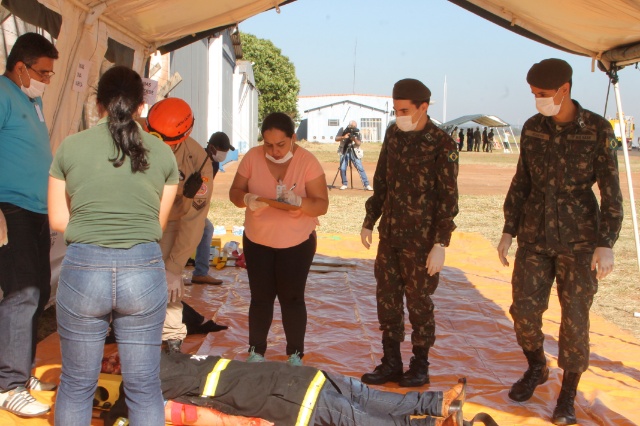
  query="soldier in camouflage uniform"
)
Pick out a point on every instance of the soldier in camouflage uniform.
point(562, 233)
point(416, 193)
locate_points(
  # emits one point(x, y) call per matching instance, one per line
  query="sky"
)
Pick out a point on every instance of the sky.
point(365, 46)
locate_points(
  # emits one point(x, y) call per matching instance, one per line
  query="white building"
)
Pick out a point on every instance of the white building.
point(324, 116)
point(220, 87)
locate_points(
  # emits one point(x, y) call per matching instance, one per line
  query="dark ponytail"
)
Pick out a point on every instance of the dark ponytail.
point(120, 92)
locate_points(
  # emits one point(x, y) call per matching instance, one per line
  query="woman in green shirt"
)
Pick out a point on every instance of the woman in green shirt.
point(110, 190)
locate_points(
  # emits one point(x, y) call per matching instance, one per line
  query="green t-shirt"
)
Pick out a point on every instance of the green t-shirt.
point(112, 207)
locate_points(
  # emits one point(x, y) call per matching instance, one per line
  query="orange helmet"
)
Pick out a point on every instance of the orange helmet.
point(171, 120)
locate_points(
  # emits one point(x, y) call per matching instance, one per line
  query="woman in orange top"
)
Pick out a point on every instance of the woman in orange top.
point(279, 244)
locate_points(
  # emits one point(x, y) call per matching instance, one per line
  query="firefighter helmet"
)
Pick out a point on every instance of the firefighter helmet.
point(171, 120)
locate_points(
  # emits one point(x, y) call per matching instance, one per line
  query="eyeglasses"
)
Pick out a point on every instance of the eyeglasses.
point(45, 75)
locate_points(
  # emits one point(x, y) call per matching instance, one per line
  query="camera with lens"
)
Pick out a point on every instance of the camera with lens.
point(354, 133)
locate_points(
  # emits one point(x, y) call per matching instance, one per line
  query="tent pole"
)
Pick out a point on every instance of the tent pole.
point(514, 139)
point(625, 150)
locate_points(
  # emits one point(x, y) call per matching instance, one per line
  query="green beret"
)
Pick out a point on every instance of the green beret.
point(549, 74)
point(411, 89)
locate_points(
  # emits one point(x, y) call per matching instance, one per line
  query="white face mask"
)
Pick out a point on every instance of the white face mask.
point(288, 156)
point(219, 156)
point(35, 89)
point(547, 106)
point(405, 122)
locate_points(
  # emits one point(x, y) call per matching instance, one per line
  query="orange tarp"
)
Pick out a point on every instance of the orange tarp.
point(474, 336)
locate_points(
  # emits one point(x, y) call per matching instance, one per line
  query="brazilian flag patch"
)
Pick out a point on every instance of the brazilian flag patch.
point(614, 144)
point(453, 156)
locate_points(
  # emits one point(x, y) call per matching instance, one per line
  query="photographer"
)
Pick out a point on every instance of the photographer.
point(350, 151)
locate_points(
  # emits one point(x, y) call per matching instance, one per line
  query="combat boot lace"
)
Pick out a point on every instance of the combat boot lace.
point(564, 413)
point(536, 374)
point(390, 370)
point(418, 372)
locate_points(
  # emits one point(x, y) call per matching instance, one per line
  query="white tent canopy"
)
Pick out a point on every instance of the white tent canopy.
point(125, 32)
point(481, 119)
point(605, 30)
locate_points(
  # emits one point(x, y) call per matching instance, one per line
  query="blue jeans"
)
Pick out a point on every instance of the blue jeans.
point(127, 286)
point(25, 279)
point(344, 162)
point(352, 403)
point(203, 250)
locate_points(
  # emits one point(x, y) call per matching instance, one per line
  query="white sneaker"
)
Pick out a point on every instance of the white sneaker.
point(343, 187)
point(35, 384)
point(368, 188)
point(20, 402)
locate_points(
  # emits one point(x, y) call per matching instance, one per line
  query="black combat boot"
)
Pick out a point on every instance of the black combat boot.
point(418, 372)
point(565, 414)
point(391, 368)
point(172, 346)
point(536, 374)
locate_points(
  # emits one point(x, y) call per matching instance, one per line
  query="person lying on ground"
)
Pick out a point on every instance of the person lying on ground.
point(302, 395)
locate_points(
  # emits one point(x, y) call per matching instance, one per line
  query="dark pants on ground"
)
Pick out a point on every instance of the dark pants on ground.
point(25, 279)
point(352, 403)
point(280, 273)
point(533, 275)
point(400, 272)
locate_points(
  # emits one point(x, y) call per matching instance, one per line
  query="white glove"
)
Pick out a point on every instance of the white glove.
point(174, 286)
point(291, 198)
point(366, 235)
point(4, 235)
point(251, 201)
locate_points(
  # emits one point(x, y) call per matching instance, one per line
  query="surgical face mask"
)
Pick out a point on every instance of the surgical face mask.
point(219, 156)
point(288, 156)
point(547, 106)
point(405, 122)
point(35, 89)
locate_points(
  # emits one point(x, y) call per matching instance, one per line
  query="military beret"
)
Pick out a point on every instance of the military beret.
point(549, 74)
point(411, 89)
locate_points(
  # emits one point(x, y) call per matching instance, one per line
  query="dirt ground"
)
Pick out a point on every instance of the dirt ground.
point(473, 179)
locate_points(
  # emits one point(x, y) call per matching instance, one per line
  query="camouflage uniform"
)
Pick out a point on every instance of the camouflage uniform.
point(416, 193)
point(552, 210)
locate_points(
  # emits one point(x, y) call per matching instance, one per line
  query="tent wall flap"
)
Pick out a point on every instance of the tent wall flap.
point(36, 14)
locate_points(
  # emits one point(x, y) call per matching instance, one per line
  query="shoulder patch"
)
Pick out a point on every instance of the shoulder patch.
point(537, 135)
point(453, 156)
point(614, 143)
point(198, 203)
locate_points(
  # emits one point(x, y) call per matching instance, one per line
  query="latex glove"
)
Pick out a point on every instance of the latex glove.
point(174, 285)
point(503, 248)
point(435, 260)
point(4, 236)
point(366, 235)
point(603, 261)
point(251, 201)
point(291, 198)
